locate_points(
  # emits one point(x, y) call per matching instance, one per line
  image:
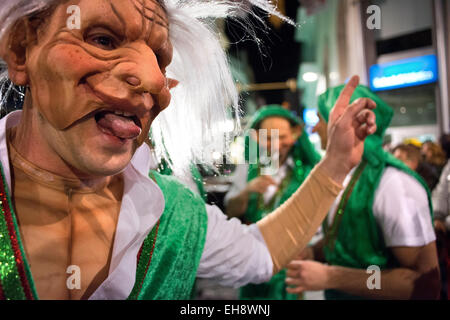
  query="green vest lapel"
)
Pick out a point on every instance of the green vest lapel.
point(168, 272)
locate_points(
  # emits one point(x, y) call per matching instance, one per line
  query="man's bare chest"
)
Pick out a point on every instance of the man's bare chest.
point(67, 237)
point(68, 259)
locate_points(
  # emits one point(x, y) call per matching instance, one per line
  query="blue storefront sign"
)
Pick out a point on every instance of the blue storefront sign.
point(404, 73)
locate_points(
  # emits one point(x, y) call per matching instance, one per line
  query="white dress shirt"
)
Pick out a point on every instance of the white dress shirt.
point(234, 254)
point(400, 209)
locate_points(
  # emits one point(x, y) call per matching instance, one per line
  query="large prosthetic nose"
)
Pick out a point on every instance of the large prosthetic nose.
point(133, 92)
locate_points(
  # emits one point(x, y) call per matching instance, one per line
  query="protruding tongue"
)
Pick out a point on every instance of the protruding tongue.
point(119, 126)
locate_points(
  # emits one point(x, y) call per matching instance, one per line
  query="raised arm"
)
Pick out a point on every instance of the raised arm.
point(288, 229)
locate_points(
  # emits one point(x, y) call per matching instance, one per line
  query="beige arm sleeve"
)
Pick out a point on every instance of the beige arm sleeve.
point(289, 228)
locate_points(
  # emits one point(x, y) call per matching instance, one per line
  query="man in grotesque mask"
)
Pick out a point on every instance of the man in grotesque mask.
point(81, 216)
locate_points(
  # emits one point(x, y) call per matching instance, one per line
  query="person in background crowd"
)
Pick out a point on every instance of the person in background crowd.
point(434, 155)
point(382, 218)
point(412, 157)
point(445, 144)
point(409, 154)
point(441, 206)
point(253, 195)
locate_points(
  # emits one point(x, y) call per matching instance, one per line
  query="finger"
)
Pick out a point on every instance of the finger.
point(295, 264)
point(344, 98)
point(293, 281)
point(355, 108)
point(365, 121)
point(371, 129)
point(366, 116)
point(297, 290)
point(365, 130)
point(293, 273)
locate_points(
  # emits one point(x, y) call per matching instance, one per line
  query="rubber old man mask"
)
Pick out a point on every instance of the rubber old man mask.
point(98, 86)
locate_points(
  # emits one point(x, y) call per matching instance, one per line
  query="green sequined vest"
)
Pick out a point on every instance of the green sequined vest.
point(168, 259)
point(359, 241)
point(179, 244)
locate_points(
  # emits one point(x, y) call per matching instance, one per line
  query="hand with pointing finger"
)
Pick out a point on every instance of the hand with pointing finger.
point(348, 127)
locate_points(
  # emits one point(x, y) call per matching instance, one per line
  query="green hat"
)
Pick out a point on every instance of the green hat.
point(273, 110)
point(383, 111)
point(303, 149)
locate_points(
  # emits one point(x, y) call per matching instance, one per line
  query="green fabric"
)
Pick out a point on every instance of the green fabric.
point(274, 289)
point(16, 281)
point(273, 110)
point(165, 169)
point(359, 241)
point(179, 244)
point(176, 256)
point(305, 158)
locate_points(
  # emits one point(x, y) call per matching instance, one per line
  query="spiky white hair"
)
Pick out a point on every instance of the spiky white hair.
point(193, 125)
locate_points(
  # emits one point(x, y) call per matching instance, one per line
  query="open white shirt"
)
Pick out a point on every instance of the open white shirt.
point(234, 254)
point(400, 209)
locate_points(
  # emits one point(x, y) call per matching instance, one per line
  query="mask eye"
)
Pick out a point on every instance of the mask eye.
point(103, 41)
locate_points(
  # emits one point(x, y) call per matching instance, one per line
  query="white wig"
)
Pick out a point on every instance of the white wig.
point(193, 125)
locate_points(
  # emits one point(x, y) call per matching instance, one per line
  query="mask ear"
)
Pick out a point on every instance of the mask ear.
point(13, 50)
point(172, 83)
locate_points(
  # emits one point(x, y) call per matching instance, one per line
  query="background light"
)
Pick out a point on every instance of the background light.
point(310, 77)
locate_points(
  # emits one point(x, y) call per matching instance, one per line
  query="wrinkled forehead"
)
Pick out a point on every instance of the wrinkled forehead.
point(149, 12)
point(132, 16)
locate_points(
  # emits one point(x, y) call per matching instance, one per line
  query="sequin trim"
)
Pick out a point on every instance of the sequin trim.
point(143, 261)
point(13, 271)
point(331, 233)
point(2, 295)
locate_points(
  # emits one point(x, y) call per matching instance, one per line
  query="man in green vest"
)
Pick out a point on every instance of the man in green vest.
point(378, 239)
point(254, 193)
point(82, 216)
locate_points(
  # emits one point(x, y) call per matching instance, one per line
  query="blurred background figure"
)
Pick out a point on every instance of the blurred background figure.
point(434, 155)
point(441, 205)
point(445, 144)
point(382, 218)
point(253, 194)
point(411, 155)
